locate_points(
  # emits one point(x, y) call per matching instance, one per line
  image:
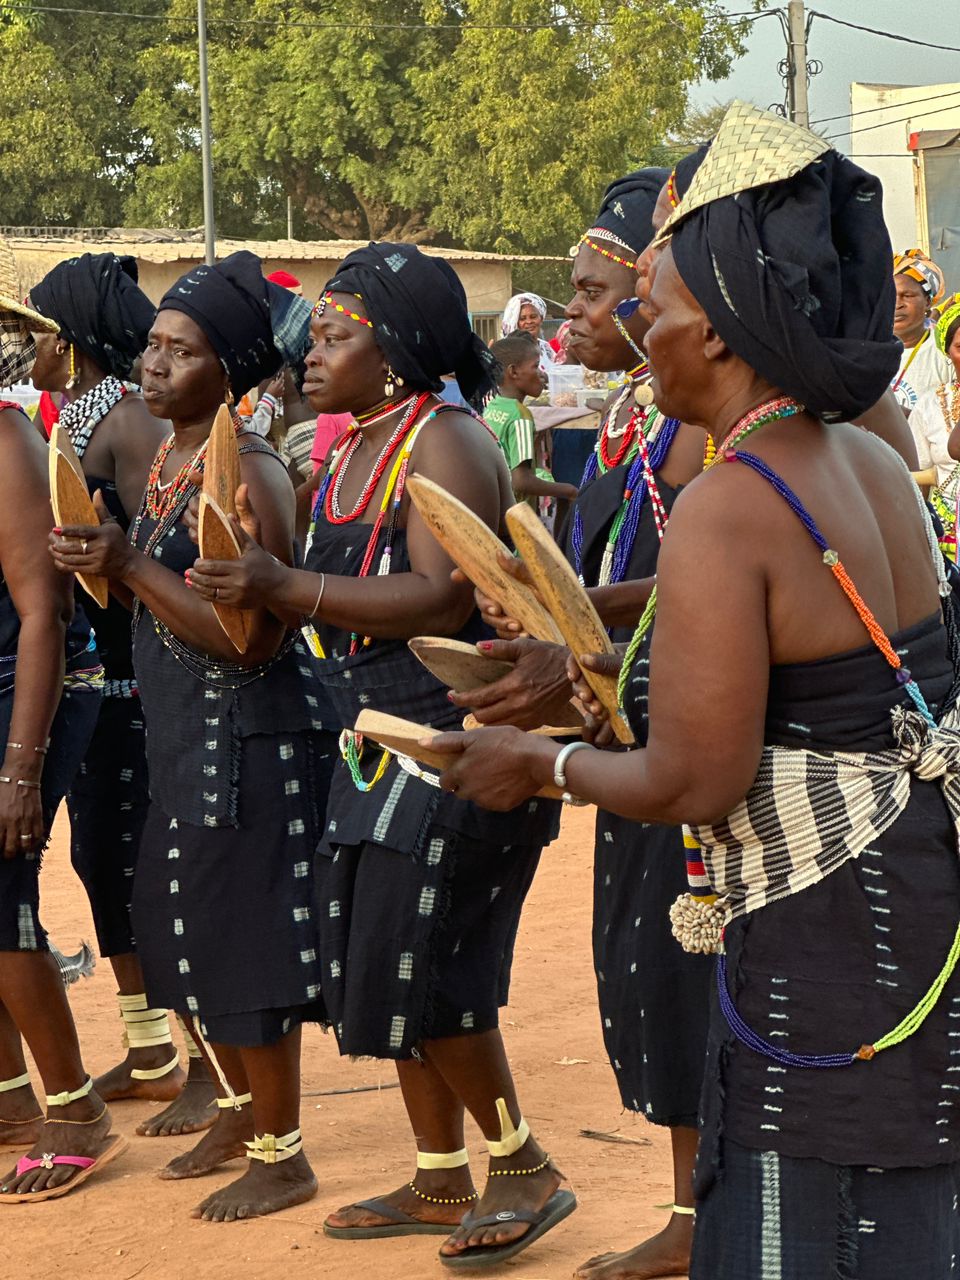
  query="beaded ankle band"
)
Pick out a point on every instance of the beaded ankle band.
point(442, 1199)
point(519, 1173)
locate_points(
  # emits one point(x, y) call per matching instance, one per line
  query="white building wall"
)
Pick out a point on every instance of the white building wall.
point(884, 150)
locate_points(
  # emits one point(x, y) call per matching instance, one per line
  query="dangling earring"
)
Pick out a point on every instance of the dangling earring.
point(74, 371)
point(388, 386)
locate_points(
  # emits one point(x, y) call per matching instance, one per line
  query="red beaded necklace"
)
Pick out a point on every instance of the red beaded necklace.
point(159, 499)
point(332, 509)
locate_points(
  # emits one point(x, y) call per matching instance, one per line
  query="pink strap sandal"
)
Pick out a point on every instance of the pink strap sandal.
point(114, 1147)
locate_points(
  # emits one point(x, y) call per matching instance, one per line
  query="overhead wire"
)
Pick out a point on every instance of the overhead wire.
point(213, 19)
point(889, 35)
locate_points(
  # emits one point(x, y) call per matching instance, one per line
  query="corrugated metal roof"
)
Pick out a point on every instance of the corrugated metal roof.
point(285, 250)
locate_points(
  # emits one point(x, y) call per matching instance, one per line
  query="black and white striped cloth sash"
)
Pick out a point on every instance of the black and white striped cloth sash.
point(808, 813)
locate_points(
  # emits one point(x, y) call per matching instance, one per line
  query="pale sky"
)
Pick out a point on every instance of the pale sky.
point(846, 55)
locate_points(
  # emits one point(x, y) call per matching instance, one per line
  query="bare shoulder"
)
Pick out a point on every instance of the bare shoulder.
point(455, 430)
point(131, 421)
point(20, 442)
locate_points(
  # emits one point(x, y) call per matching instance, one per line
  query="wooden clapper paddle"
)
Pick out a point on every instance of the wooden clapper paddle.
point(569, 604)
point(71, 502)
point(460, 667)
point(456, 664)
point(473, 547)
point(404, 736)
point(218, 501)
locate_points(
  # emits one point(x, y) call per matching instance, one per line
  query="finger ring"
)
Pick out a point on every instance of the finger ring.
point(83, 546)
point(216, 593)
point(26, 839)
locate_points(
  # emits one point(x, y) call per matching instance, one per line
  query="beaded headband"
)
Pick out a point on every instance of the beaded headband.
point(327, 300)
point(590, 238)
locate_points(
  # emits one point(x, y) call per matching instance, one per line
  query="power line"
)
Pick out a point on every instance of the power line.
point(881, 124)
point(335, 26)
point(890, 35)
point(890, 106)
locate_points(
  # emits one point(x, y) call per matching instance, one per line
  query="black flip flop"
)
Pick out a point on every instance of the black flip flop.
point(560, 1205)
point(398, 1224)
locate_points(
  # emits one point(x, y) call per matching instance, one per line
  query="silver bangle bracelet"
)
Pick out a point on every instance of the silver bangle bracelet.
point(323, 583)
point(560, 764)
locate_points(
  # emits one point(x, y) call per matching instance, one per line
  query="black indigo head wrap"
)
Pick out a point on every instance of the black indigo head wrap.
point(253, 325)
point(795, 278)
point(99, 307)
point(628, 205)
point(420, 321)
point(687, 167)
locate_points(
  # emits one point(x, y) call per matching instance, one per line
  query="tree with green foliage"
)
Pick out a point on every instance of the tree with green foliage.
point(493, 123)
point(68, 149)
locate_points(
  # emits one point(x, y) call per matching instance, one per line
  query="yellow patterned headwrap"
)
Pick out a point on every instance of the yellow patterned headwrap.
point(949, 315)
point(915, 264)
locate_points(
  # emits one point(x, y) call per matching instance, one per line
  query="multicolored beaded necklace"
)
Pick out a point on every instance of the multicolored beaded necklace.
point(912, 1022)
point(402, 440)
point(770, 411)
point(158, 499)
point(412, 406)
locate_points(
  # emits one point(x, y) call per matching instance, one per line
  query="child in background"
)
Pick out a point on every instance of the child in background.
point(512, 423)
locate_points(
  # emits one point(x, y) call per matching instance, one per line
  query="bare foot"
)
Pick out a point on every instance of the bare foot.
point(21, 1117)
point(77, 1139)
point(440, 1184)
point(264, 1188)
point(193, 1110)
point(120, 1083)
point(222, 1143)
point(503, 1194)
point(665, 1254)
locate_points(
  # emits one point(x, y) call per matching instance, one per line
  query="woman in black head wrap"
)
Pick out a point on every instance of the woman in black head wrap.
point(104, 319)
point(419, 896)
point(815, 758)
point(238, 752)
point(653, 998)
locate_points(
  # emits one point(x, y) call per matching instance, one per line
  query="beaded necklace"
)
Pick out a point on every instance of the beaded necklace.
point(331, 491)
point(403, 439)
point(915, 1018)
point(771, 411)
point(159, 499)
point(81, 417)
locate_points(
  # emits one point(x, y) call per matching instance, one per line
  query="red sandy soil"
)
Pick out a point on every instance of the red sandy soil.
point(128, 1224)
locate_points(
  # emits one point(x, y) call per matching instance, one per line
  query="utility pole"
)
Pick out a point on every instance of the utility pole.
point(206, 150)
point(797, 63)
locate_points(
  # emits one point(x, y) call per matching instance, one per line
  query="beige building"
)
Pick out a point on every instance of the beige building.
point(487, 278)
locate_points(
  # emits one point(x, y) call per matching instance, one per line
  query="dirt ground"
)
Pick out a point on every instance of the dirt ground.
point(128, 1224)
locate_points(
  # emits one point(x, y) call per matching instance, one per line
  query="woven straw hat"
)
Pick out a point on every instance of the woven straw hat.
point(751, 148)
point(10, 293)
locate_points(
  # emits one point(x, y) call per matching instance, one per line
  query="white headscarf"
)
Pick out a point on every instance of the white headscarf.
point(511, 321)
point(511, 312)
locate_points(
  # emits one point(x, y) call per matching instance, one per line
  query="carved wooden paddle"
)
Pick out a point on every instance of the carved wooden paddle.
point(474, 547)
point(569, 605)
point(218, 500)
point(404, 736)
point(72, 505)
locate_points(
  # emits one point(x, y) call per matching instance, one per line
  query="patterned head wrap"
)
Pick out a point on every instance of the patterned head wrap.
point(18, 349)
point(782, 243)
point(944, 329)
point(418, 310)
point(623, 228)
point(253, 325)
point(96, 301)
point(915, 264)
